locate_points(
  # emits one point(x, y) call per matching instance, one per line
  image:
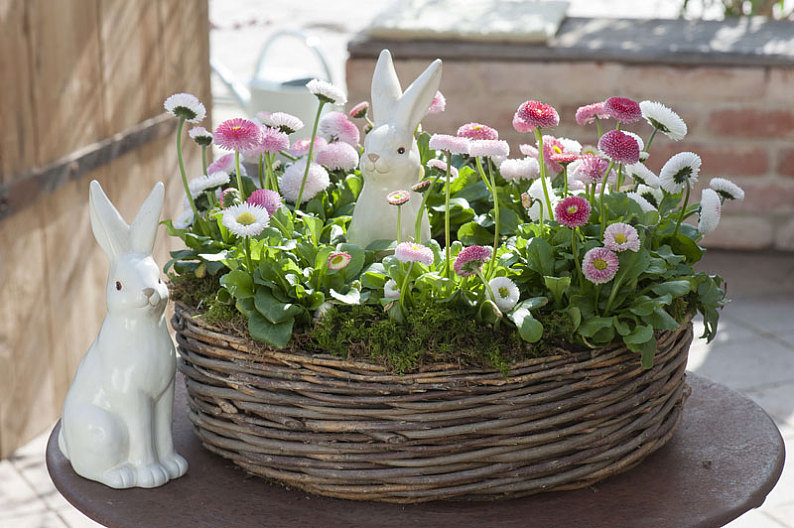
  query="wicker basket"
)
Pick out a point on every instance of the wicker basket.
point(350, 430)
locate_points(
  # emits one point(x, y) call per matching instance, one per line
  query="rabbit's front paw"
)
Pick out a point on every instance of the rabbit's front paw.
point(152, 475)
point(175, 464)
point(120, 477)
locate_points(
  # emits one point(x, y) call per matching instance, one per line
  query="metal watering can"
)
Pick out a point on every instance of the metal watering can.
point(278, 90)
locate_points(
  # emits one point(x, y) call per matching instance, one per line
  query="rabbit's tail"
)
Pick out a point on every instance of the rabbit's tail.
point(62, 442)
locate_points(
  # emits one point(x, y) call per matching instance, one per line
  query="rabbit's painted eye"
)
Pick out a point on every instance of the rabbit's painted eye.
point(401, 150)
point(159, 281)
point(118, 285)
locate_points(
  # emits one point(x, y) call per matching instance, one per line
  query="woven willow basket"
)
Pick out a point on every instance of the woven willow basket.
point(350, 430)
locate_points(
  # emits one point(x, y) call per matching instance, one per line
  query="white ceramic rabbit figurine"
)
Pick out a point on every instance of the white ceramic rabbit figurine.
point(391, 157)
point(116, 423)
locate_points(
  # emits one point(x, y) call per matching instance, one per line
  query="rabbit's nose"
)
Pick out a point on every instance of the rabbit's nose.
point(148, 292)
point(373, 157)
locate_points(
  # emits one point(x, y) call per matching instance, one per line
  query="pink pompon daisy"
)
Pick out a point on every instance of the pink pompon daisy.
point(360, 110)
point(470, 260)
point(528, 150)
point(287, 123)
point(438, 105)
point(317, 180)
point(573, 211)
point(623, 109)
point(338, 156)
point(591, 169)
point(337, 126)
point(186, 106)
point(588, 113)
point(451, 144)
point(338, 260)
point(238, 134)
point(229, 197)
point(201, 136)
point(519, 169)
point(421, 187)
point(477, 131)
point(600, 265)
point(621, 237)
point(272, 141)
point(269, 199)
point(326, 92)
point(488, 148)
point(411, 252)
point(563, 158)
point(619, 147)
point(441, 165)
point(301, 147)
point(534, 114)
point(398, 197)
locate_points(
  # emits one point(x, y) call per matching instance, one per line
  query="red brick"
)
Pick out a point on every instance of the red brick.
point(785, 164)
point(718, 160)
point(752, 122)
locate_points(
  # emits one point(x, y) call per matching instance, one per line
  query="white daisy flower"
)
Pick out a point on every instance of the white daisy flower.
point(390, 290)
point(505, 291)
point(727, 189)
point(184, 220)
point(245, 219)
point(204, 182)
point(571, 145)
point(644, 204)
point(201, 135)
point(317, 180)
point(187, 106)
point(653, 195)
point(680, 170)
point(519, 169)
point(664, 120)
point(326, 92)
point(539, 200)
point(710, 210)
point(285, 122)
point(322, 310)
point(642, 174)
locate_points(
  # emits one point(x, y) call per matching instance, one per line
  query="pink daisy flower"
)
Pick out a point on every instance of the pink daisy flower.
point(336, 125)
point(270, 200)
point(529, 150)
point(229, 197)
point(301, 147)
point(411, 252)
point(421, 187)
point(619, 147)
point(470, 260)
point(573, 211)
point(526, 200)
point(338, 156)
point(360, 110)
point(600, 265)
point(519, 169)
point(398, 197)
point(338, 260)
point(438, 105)
point(588, 113)
point(621, 237)
point(477, 131)
point(451, 144)
point(623, 109)
point(563, 158)
point(238, 134)
point(317, 180)
point(441, 165)
point(272, 141)
point(591, 169)
point(488, 148)
point(226, 164)
point(534, 114)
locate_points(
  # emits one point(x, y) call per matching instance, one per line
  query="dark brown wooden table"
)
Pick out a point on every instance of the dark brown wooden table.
point(724, 460)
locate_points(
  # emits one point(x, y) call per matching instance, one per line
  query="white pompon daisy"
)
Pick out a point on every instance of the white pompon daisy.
point(710, 211)
point(184, 220)
point(326, 92)
point(390, 290)
point(519, 169)
point(245, 219)
point(653, 195)
point(285, 122)
point(539, 200)
point(201, 136)
point(664, 120)
point(505, 291)
point(642, 174)
point(185, 105)
point(317, 180)
point(727, 189)
point(204, 182)
point(679, 171)
point(644, 204)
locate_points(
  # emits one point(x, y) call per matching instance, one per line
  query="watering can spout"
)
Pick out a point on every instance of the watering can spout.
point(238, 89)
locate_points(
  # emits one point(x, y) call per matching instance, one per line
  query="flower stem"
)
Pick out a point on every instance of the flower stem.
point(309, 155)
point(542, 165)
point(261, 172)
point(243, 197)
point(182, 168)
point(446, 215)
point(650, 139)
point(565, 181)
point(491, 185)
point(598, 125)
point(683, 209)
point(403, 289)
point(486, 284)
point(615, 288)
point(574, 232)
point(601, 211)
point(248, 261)
point(204, 159)
point(400, 223)
point(420, 213)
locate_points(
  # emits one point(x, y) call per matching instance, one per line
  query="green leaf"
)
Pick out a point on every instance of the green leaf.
point(539, 257)
point(488, 312)
point(382, 244)
point(357, 255)
point(315, 226)
point(557, 286)
point(683, 245)
point(661, 320)
point(594, 325)
point(639, 335)
point(239, 283)
point(261, 329)
point(676, 288)
point(529, 328)
point(272, 309)
point(576, 316)
point(473, 234)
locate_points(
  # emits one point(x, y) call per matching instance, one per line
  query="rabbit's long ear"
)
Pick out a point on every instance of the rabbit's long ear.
point(417, 98)
point(386, 90)
point(110, 230)
point(143, 229)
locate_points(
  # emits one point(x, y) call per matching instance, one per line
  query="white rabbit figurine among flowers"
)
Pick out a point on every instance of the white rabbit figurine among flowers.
point(391, 159)
point(116, 422)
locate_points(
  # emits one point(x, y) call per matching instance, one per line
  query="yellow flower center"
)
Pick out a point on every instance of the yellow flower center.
point(600, 264)
point(556, 149)
point(236, 127)
point(504, 292)
point(572, 209)
point(621, 238)
point(246, 218)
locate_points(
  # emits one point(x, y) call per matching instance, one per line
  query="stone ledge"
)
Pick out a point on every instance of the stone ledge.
point(753, 41)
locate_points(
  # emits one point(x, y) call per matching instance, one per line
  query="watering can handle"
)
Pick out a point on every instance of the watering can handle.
point(309, 42)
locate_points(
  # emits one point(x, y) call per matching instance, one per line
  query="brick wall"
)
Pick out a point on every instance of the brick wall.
point(740, 119)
